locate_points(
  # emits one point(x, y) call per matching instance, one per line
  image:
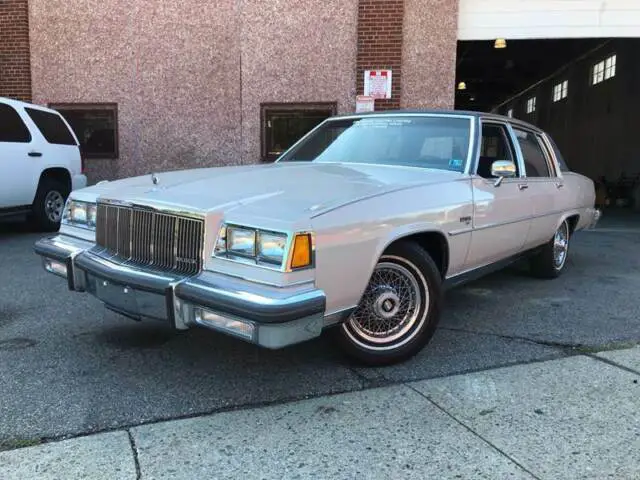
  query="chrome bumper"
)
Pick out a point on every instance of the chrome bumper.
point(268, 316)
point(594, 217)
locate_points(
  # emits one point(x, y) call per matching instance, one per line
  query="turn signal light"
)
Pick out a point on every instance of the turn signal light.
point(301, 251)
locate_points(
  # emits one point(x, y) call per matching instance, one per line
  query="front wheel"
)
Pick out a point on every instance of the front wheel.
point(398, 311)
point(48, 204)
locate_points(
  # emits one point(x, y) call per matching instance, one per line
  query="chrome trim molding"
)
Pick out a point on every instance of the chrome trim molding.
point(339, 316)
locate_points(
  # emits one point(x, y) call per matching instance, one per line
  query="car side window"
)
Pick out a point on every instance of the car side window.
point(535, 161)
point(13, 128)
point(52, 127)
point(495, 146)
point(562, 163)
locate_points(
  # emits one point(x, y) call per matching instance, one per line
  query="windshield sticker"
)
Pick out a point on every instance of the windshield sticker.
point(456, 164)
point(382, 122)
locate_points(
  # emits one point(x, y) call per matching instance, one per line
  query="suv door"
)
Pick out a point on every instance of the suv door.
point(502, 210)
point(543, 185)
point(17, 170)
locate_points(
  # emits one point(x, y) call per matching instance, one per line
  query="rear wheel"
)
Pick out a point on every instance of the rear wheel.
point(48, 204)
point(398, 311)
point(551, 260)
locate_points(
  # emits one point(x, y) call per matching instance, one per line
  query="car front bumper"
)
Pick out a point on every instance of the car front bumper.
point(272, 317)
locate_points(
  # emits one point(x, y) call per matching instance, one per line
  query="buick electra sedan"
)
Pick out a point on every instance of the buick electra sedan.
point(356, 229)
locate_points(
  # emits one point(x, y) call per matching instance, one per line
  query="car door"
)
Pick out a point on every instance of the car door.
point(502, 209)
point(542, 186)
point(18, 167)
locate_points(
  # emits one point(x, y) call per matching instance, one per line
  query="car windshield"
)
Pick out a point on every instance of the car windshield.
point(440, 142)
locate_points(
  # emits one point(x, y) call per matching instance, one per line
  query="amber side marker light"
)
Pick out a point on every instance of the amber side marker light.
point(301, 251)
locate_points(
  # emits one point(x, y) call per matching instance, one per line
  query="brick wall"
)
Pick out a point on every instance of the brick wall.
point(15, 64)
point(380, 25)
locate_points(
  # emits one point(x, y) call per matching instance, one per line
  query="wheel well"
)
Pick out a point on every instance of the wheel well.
point(573, 222)
point(435, 244)
point(60, 174)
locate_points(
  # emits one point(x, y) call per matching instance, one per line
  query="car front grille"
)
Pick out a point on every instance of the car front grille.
point(160, 241)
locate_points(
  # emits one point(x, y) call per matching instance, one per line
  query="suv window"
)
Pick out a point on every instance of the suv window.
point(535, 161)
point(13, 128)
point(52, 127)
point(495, 146)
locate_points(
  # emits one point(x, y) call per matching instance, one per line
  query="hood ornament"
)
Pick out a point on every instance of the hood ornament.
point(154, 178)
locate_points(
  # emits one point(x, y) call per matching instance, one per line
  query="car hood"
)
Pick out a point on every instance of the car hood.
point(284, 191)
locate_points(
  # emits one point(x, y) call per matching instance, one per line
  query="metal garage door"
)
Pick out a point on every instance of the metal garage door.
point(522, 19)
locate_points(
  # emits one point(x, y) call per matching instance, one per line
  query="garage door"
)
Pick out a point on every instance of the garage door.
point(523, 19)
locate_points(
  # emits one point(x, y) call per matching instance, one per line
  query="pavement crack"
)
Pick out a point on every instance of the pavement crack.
point(612, 363)
point(474, 433)
point(545, 343)
point(134, 451)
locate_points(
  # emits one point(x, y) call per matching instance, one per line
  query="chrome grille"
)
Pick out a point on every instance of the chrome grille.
point(143, 237)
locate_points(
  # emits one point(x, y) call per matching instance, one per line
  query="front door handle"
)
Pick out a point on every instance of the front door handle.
point(35, 154)
point(523, 186)
point(559, 185)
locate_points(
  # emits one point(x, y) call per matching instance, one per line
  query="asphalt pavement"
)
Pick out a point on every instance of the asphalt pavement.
point(69, 367)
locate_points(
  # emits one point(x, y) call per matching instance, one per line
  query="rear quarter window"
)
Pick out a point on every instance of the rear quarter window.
point(52, 127)
point(12, 128)
point(561, 161)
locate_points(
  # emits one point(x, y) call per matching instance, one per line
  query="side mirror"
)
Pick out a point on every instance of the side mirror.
point(503, 169)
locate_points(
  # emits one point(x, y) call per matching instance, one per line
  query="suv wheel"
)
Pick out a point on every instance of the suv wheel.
point(49, 204)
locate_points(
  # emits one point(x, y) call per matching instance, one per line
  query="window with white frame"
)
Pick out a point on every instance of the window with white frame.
point(603, 70)
point(597, 73)
point(610, 67)
point(531, 105)
point(560, 91)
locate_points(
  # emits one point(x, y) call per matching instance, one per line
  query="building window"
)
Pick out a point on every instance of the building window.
point(610, 67)
point(531, 105)
point(603, 70)
point(283, 124)
point(560, 91)
point(95, 125)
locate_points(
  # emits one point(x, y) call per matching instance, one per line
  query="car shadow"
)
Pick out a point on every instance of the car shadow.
point(13, 226)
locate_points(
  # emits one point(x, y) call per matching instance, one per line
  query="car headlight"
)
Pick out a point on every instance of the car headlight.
point(80, 214)
point(264, 247)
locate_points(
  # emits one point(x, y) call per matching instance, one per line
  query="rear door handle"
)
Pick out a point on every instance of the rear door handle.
point(523, 186)
point(35, 154)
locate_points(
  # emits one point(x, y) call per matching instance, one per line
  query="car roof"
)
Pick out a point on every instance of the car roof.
point(19, 103)
point(443, 111)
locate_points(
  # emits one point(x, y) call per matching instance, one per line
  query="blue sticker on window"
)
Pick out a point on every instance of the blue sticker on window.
point(455, 164)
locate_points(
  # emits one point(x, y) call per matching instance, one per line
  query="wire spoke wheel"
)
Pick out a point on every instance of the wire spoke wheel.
point(392, 307)
point(560, 246)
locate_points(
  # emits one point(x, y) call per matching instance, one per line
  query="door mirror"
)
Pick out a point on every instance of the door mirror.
point(503, 168)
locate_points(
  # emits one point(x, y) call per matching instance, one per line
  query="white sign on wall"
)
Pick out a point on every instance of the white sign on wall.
point(365, 103)
point(377, 83)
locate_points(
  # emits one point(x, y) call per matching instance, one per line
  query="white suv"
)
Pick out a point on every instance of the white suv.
point(40, 162)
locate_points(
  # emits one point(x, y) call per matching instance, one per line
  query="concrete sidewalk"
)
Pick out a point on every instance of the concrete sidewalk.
point(577, 417)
